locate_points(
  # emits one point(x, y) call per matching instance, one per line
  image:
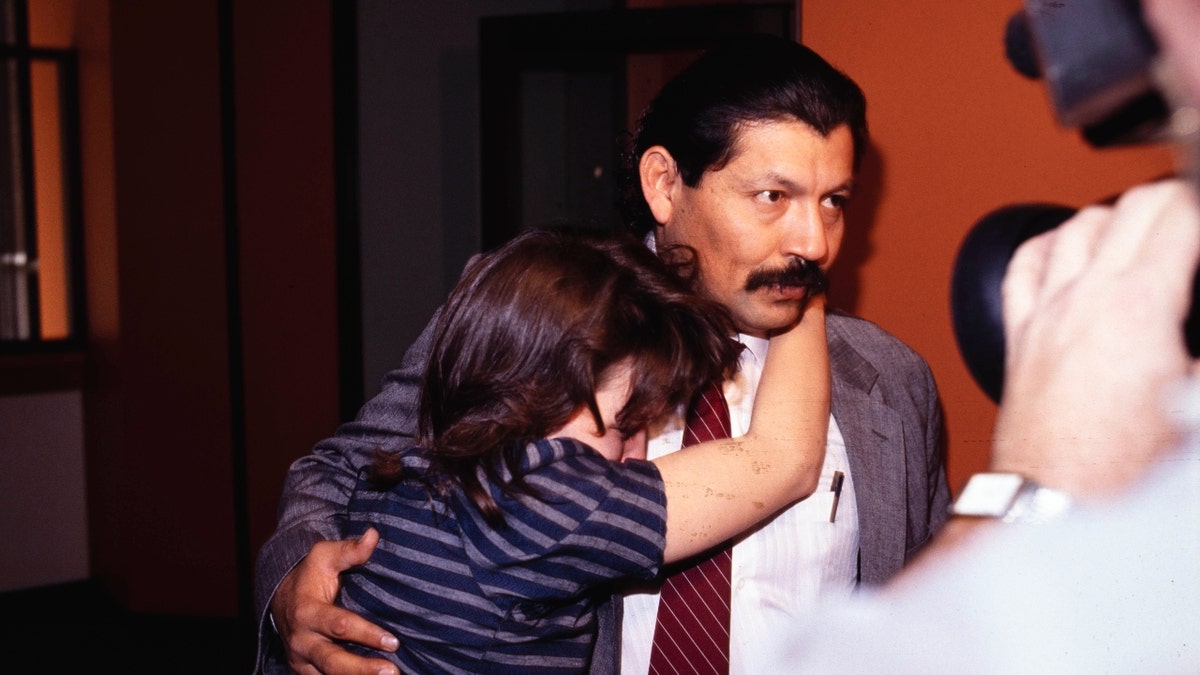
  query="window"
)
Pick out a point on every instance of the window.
point(41, 292)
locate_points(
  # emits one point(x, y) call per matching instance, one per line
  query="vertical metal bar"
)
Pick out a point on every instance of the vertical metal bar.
point(346, 207)
point(73, 195)
point(12, 256)
point(30, 327)
point(233, 297)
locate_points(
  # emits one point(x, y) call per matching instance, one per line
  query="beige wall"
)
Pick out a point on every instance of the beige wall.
point(43, 518)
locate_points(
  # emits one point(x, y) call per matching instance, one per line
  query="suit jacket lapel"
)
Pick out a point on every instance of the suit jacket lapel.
point(874, 435)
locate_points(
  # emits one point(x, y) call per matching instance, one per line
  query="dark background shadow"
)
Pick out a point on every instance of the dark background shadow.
point(845, 284)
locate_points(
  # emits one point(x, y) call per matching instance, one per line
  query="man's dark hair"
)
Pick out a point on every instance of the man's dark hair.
point(530, 332)
point(760, 78)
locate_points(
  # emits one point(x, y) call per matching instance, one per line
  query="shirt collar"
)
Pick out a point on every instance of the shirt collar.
point(756, 348)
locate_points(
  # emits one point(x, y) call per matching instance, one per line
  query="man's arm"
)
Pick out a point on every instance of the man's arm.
point(935, 459)
point(296, 577)
point(927, 488)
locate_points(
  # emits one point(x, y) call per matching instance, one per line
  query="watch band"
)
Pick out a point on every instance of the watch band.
point(1011, 498)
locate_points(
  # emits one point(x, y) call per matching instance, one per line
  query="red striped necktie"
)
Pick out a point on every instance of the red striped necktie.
point(692, 631)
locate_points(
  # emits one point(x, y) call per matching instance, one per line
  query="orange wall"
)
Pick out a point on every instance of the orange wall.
point(957, 133)
point(50, 26)
point(48, 190)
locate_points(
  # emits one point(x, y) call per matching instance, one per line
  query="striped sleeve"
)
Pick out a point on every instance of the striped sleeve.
point(590, 522)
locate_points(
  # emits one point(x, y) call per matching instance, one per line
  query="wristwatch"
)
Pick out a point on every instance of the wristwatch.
point(1011, 498)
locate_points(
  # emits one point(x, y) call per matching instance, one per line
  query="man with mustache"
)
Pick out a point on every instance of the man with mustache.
point(748, 158)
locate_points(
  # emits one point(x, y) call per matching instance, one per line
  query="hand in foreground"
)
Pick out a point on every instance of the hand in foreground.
point(1093, 314)
point(309, 622)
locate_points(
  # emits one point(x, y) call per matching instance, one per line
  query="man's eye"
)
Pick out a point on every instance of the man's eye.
point(835, 201)
point(769, 196)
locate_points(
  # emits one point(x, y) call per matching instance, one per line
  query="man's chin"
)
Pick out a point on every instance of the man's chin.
point(762, 317)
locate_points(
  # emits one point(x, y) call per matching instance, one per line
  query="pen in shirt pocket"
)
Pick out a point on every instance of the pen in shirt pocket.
point(836, 489)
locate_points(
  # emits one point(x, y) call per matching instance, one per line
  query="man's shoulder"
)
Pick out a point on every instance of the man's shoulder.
point(864, 355)
point(864, 335)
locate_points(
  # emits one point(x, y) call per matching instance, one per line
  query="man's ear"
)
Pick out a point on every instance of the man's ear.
point(660, 182)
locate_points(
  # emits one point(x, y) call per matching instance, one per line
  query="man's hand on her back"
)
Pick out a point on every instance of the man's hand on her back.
point(310, 624)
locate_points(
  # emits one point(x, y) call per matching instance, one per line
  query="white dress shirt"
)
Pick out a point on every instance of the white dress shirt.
point(781, 569)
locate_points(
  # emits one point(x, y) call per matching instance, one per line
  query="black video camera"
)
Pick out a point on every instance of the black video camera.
point(1099, 63)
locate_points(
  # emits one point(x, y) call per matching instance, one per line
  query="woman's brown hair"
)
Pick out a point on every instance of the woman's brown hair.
point(528, 334)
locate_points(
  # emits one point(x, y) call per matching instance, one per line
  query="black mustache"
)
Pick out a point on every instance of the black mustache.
point(799, 272)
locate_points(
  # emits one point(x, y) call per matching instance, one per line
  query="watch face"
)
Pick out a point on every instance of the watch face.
point(988, 494)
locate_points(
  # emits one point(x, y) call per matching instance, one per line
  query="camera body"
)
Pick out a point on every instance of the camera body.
point(1098, 61)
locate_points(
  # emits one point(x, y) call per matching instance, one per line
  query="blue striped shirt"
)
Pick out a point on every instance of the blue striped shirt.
point(465, 597)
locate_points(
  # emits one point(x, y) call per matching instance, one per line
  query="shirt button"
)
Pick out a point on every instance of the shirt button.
point(741, 583)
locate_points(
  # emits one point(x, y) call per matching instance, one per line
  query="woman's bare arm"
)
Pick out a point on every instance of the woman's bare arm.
point(718, 489)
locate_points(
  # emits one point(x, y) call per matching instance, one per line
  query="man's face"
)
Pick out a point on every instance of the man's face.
point(779, 200)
